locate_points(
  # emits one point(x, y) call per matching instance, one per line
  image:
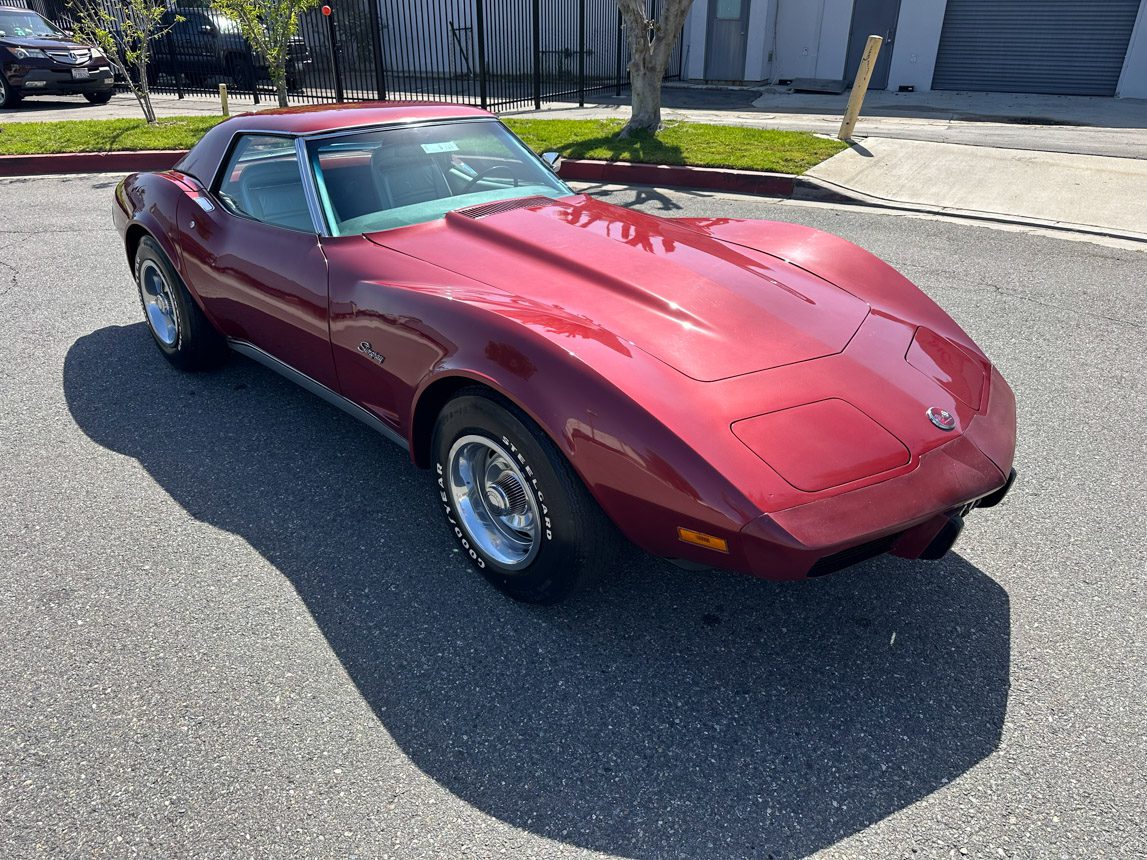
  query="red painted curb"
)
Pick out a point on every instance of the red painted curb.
point(581, 170)
point(710, 178)
point(89, 162)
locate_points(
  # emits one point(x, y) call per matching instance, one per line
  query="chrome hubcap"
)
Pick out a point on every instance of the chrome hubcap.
point(497, 510)
point(158, 303)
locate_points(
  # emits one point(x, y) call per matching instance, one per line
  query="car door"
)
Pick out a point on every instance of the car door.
point(254, 258)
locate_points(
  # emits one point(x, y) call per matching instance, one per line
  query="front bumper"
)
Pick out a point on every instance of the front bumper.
point(57, 80)
point(917, 514)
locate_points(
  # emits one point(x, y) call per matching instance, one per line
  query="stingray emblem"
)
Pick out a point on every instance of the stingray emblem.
point(942, 418)
point(366, 349)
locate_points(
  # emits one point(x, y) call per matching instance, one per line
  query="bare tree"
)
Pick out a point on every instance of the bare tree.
point(650, 45)
point(125, 39)
point(268, 25)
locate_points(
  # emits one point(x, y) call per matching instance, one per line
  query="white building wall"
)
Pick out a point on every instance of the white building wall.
point(916, 42)
point(758, 38)
point(834, 30)
point(693, 40)
point(1133, 80)
point(811, 38)
point(416, 37)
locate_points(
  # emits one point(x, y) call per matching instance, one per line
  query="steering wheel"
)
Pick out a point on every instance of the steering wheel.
point(482, 174)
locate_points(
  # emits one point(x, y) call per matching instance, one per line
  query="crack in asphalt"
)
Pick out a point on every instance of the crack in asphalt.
point(1003, 291)
point(14, 280)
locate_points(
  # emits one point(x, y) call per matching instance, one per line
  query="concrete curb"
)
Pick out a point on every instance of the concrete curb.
point(707, 178)
point(89, 162)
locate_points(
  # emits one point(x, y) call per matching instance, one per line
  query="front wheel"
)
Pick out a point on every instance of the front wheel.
point(517, 509)
point(180, 330)
point(99, 98)
point(8, 96)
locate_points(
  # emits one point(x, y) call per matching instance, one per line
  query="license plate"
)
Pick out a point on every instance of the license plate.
point(80, 74)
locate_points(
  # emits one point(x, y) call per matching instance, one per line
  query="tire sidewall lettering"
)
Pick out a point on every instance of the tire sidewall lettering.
point(451, 515)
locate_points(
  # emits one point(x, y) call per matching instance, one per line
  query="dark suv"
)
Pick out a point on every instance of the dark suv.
point(38, 58)
point(203, 44)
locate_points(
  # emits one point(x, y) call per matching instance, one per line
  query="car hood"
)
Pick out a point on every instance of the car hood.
point(706, 308)
point(41, 44)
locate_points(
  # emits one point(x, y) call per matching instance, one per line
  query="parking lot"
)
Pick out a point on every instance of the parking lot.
point(232, 623)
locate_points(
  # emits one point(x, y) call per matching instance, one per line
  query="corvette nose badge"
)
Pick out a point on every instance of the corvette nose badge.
point(942, 418)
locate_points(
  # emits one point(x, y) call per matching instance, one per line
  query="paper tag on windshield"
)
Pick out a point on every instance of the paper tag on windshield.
point(445, 146)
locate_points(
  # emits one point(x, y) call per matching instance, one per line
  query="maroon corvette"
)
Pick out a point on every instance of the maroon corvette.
point(750, 395)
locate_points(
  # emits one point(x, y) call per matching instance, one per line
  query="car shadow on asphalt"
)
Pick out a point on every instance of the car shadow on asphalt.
point(665, 713)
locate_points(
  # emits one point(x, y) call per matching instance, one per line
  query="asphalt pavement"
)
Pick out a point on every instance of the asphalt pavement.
point(233, 625)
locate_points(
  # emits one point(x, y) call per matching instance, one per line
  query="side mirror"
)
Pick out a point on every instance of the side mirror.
point(206, 28)
point(553, 159)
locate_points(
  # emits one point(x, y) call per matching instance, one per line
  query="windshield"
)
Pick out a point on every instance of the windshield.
point(394, 177)
point(26, 25)
point(224, 24)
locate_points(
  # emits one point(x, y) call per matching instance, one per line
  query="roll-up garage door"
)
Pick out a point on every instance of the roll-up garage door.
point(1073, 47)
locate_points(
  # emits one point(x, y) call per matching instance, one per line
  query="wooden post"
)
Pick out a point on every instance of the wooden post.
point(860, 86)
point(223, 99)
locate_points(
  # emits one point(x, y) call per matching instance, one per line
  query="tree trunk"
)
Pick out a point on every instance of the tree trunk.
point(650, 46)
point(279, 78)
point(142, 93)
point(645, 93)
point(148, 109)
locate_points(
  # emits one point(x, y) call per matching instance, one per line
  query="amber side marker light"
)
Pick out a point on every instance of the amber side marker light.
point(703, 540)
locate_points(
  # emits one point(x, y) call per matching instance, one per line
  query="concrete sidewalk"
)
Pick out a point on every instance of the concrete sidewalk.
point(1097, 193)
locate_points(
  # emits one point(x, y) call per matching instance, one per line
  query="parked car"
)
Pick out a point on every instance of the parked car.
point(750, 395)
point(37, 58)
point(201, 44)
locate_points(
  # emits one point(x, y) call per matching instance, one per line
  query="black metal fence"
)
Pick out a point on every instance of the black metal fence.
point(499, 54)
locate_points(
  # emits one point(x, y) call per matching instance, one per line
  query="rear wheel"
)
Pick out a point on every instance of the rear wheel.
point(8, 96)
point(99, 98)
point(519, 512)
point(177, 325)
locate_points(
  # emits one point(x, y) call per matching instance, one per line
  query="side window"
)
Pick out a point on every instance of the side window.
point(261, 180)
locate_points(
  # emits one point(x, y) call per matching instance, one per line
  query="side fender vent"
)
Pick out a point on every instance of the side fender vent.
point(503, 206)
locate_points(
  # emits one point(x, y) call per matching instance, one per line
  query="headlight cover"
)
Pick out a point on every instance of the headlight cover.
point(28, 53)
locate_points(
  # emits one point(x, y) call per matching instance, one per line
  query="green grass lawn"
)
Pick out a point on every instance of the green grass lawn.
point(677, 143)
point(102, 135)
point(696, 144)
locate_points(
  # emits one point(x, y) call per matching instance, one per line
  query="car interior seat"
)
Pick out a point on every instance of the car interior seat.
point(272, 191)
point(403, 174)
